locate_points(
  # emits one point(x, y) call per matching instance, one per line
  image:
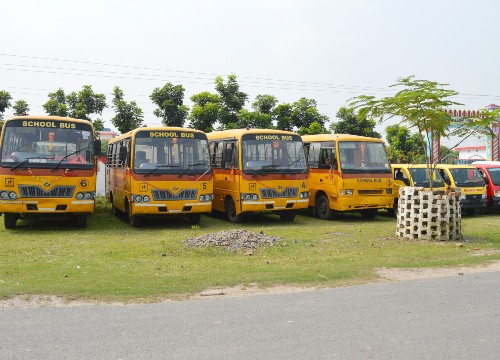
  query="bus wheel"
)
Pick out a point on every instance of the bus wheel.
point(288, 216)
point(323, 207)
point(231, 211)
point(81, 221)
point(10, 220)
point(194, 219)
point(134, 220)
point(369, 214)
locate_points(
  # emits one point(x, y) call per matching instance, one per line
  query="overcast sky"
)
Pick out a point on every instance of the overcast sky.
point(326, 50)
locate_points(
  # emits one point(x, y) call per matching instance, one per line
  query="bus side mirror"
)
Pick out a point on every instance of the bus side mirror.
point(123, 154)
point(97, 147)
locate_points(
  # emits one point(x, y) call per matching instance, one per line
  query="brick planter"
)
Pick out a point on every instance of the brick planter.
point(429, 215)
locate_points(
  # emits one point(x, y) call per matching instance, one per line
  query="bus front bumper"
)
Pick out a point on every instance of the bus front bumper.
point(171, 208)
point(353, 203)
point(47, 206)
point(274, 204)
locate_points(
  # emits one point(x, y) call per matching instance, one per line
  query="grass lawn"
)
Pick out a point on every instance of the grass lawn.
point(112, 261)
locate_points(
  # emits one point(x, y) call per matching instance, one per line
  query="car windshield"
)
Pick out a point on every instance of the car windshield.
point(47, 144)
point(358, 157)
point(420, 177)
point(171, 152)
point(467, 177)
point(494, 175)
point(273, 153)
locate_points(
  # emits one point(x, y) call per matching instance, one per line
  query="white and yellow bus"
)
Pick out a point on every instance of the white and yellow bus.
point(348, 173)
point(258, 170)
point(48, 167)
point(159, 171)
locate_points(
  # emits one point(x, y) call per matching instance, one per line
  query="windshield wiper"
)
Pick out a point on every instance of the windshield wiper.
point(28, 159)
point(158, 167)
point(188, 168)
point(289, 166)
point(68, 155)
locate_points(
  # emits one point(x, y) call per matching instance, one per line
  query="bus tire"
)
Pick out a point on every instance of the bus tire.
point(369, 214)
point(231, 211)
point(194, 219)
point(81, 221)
point(322, 206)
point(10, 220)
point(134, 220)
point(288, 216)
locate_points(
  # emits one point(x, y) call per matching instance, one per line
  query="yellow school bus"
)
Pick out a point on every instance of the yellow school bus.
point(469, 179)
point(159, 171)
point(258, 170)
point(414, 175)
point(48, 167)
point(348, 173)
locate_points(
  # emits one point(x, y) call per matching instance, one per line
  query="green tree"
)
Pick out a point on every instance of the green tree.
point(232, 101)
point(404, 147)
point(205, 111)
point(128, 116)
point(5, 99)
point(83, 104)
point(283, 116)
point(56, 105)
point(420, 104)
point(21, 107)
point(305, 112)
point(313, 129)
point(170, 101)
point(354, 124)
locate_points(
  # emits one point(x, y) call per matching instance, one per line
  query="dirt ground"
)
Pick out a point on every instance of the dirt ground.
point(24, 302)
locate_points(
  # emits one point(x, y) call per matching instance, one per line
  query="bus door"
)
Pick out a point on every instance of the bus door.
point(231, 179)
point(122, 174)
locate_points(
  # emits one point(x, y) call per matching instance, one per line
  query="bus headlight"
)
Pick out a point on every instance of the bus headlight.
point(346, 192)
point(146, 198)
point(388, 191)
point(11, 195)
point(87, 195)
point(483, 196)
point(247, 197)
point(79, 196)
point(304, 195)
point(206, 198)
point(140, 198)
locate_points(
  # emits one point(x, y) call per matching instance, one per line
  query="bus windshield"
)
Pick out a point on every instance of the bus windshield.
point(47, 144)
point(358, 157)
point(494, 175)
point(273, 153)
point(467, 177)
point(171, 152)
point(420, 177)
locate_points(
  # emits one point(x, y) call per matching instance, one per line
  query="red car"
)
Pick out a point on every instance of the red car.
point(491, 173)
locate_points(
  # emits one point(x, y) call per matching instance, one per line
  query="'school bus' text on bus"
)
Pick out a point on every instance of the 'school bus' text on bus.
point(48, 166)
point(159, 171)
point(348, 173)
point(258, 170)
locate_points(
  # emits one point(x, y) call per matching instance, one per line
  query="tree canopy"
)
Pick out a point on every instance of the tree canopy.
point(128, 116)
point(354, 124)
point(404, 147)
point(21, 107)
point(232, 101)
point(205, 111)
point(170, 101)
point(5, 99)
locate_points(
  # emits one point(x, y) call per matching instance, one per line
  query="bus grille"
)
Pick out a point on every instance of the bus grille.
point(473, 197)
point(168, 195)
point(273, 193)
point(37, 192)
point(370, 192)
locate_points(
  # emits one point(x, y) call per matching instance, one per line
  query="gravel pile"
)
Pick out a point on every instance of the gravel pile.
point(233, 240)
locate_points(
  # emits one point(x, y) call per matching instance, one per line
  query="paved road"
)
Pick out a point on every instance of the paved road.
point(445, 318)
